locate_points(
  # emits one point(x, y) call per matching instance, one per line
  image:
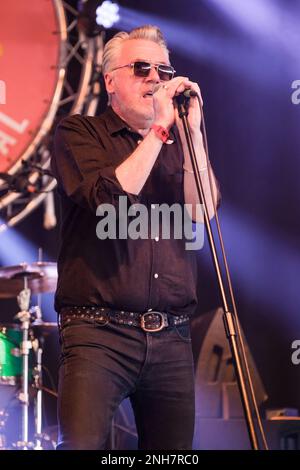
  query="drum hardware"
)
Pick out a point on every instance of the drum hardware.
point(43, 328)
point(38, 383)
point(36, 312)
point(49, 438)
point(24, 317)
point(53, 393)
point(37, 277)
point(3, 419)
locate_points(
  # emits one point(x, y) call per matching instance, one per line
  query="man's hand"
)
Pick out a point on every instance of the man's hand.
point(165, 112)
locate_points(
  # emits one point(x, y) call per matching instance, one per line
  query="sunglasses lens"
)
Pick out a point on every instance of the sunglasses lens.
point(165, 72)
point(141, 69)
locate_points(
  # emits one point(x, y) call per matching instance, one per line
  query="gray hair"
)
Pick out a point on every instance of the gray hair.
point(110, 52)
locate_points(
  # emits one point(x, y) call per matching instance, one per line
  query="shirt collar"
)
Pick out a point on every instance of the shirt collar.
point(113, 122)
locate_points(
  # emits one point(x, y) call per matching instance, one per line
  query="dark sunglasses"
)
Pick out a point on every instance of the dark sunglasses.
point(142, 69)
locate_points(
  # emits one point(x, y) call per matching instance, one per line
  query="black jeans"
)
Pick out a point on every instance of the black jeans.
point(103, 364)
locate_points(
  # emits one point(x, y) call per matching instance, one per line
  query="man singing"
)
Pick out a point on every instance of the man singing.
point(124, 303)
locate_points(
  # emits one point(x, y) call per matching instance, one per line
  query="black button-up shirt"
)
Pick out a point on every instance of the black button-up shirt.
point(125, 274)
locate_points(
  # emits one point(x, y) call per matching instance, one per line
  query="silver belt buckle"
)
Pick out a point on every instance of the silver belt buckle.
point(152, 330)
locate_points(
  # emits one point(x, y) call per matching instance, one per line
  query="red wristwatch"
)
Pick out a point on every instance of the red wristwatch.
point(161, 132)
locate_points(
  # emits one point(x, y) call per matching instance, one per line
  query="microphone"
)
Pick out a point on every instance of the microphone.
point(188, 93)
point(184, 97)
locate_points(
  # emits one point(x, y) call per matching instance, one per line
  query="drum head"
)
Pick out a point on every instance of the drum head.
point(29, 55)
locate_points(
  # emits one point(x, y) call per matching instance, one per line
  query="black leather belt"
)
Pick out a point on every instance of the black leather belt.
point(150, 321)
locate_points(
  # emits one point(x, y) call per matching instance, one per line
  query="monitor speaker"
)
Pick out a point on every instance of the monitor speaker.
point(217, 393)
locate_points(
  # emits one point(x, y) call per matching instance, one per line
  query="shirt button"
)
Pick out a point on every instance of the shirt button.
point(156, 239)
point(156, 275)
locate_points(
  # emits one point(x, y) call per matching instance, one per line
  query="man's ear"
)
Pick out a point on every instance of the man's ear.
point(109, 82)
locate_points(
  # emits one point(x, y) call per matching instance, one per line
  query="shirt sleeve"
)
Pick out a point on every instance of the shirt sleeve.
point(84, 170)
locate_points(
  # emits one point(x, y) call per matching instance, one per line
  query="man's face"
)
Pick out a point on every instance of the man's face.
point(129, 97)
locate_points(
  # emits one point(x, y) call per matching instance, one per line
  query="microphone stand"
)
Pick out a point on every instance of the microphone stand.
point(230, 319)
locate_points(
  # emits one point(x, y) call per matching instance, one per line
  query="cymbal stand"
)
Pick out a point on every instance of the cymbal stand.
point(38, 372)
point(37, 346)
point(24, 317)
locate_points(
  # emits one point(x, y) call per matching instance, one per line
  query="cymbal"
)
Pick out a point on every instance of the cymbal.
point(41, 277)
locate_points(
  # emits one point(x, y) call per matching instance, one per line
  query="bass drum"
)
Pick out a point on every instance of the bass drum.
point(30, 49)
point(48, 69)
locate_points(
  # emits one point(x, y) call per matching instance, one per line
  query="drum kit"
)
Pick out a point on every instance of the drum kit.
point(21, 350)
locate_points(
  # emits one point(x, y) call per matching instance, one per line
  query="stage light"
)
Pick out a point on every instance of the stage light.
point(107, 14)
point(95, 16)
